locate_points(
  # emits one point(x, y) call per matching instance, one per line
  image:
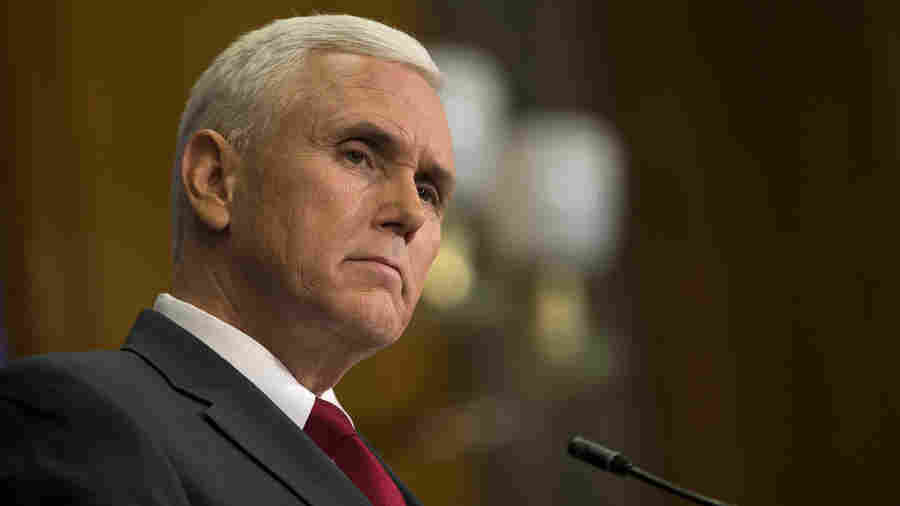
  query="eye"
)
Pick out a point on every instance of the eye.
point(355, 156)
point(428, 193)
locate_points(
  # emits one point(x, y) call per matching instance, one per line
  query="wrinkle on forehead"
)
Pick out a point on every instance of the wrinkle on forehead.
point(326, 77)
point(338, 88)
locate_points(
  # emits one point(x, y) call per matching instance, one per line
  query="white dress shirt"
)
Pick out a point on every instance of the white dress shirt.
point(246, 355)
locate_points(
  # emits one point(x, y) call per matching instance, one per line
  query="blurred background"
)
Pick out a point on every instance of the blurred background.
point(672, 234)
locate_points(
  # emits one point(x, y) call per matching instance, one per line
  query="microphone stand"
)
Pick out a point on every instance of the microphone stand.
point(614, 462)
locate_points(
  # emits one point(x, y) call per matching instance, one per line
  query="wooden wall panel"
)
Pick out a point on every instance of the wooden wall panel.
point(760, 135)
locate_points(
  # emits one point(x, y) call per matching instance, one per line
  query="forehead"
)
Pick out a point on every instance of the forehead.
point(336, 89)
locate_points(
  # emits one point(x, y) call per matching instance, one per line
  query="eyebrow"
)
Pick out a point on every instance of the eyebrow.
point(371, 134)
point(390, 144)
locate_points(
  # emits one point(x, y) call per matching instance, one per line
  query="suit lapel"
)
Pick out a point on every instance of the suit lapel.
point(289, 454)
point(242, 412)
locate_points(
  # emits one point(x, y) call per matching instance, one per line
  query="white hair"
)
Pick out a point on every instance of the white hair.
point(240, 93)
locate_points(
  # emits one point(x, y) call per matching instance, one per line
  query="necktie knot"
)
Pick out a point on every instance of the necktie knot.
point(328, 426)
point(332, 431)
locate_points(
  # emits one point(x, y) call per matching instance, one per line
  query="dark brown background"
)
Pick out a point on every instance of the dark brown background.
point(753, 288)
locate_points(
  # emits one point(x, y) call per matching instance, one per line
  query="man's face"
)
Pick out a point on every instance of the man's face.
point(342, 216)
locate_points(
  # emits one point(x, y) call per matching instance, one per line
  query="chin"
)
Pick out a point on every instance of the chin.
point(373, 324)
point(366, 340)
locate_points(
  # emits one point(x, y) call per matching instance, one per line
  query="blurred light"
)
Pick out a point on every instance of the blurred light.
point(558, 196)
point(452, 275)
point(561, 322)
point(482, 424)
point(477, 99)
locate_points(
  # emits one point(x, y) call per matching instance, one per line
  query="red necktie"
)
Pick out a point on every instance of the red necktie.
point(330, 428)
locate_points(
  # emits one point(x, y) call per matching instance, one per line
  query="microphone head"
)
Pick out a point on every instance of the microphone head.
point(598, 455)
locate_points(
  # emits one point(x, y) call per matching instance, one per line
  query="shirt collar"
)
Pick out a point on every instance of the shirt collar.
point(246, 355)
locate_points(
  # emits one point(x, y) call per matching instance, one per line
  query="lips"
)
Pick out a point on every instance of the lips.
point(387, 262)
point(384, 261)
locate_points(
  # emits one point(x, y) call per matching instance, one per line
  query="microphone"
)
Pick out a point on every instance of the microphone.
point(600, 456)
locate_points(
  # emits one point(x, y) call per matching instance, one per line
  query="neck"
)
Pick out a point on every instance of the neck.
point(315, 353)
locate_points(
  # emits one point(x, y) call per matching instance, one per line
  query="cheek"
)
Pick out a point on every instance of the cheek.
point(286, 216)
point(326, 224)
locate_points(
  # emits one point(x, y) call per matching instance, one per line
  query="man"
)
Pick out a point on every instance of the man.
point(313, 169)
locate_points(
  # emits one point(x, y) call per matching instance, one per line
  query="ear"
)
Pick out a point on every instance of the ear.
point(209, 170)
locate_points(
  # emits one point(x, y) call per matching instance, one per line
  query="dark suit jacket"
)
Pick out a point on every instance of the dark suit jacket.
point(165, 420)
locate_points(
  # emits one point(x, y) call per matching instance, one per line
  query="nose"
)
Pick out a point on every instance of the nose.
point(402, 212)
